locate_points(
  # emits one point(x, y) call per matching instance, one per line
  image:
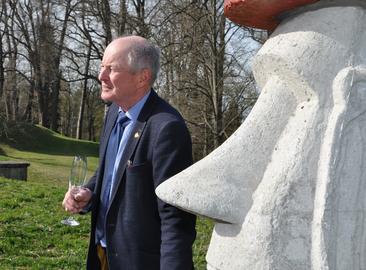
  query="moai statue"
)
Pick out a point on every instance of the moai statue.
point(288, 188)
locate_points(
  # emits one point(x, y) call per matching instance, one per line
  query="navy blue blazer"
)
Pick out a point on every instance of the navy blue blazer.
point(143, 232)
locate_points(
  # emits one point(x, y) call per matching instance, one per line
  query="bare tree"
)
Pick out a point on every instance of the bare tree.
point(79, 128)
point(200, 71)
point(10, 82)
point(39, 37)
point(51, 51)
point(57, 60)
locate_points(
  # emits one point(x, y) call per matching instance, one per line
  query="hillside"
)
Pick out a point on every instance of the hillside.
point(49, 153)
point(35, 138)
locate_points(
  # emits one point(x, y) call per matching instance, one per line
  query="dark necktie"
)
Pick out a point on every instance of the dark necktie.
point(110, 159)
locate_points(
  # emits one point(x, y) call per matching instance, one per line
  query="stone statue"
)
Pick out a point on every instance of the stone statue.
point(288, 188)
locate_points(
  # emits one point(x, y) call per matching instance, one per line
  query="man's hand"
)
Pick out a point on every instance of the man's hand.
point(76, 199)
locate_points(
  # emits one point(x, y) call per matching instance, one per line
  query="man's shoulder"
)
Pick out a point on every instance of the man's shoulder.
point(164, 111)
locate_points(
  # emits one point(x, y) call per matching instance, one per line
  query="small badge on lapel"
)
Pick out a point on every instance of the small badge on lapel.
point(129, 163)
point(137, 135)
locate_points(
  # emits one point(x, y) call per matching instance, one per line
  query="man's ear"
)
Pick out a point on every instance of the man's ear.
point(145, 76)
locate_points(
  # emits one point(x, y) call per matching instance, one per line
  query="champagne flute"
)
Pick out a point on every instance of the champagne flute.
point(76, 180)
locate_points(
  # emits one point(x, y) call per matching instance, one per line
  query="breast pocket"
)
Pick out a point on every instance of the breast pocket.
point(139, 182)
point(139, 169)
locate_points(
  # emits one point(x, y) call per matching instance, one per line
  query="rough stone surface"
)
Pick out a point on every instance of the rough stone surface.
point(287, 189)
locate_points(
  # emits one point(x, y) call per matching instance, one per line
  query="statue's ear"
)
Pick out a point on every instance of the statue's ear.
point(357, 93)
point(339, 198)
point(349, 88)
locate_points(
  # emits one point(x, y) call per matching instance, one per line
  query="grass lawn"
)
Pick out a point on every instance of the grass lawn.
point(31, 235)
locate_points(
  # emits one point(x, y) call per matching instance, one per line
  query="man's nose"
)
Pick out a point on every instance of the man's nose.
point(103, 74)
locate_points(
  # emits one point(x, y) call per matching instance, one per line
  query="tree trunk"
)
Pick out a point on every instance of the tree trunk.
point(2, 70)
point(122, 18)
point(106, 18)
point(11, 81)
point(28, 112)
point(57, 85)
point(3, 17)
point(79, 128)
point(141, 28)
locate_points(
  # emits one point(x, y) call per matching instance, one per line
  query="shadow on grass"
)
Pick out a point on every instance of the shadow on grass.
point(33, 138)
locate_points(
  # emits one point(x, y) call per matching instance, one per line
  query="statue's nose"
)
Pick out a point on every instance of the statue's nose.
point(220, 186)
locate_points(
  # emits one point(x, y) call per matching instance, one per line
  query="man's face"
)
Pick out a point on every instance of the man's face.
point(119, 85)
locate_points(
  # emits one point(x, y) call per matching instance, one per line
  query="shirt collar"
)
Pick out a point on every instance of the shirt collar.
point(134, 111)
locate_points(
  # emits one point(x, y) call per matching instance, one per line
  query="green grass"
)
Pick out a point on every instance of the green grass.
point(31, 235)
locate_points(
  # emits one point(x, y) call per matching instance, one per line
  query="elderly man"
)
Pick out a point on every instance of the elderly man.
point(144, 141)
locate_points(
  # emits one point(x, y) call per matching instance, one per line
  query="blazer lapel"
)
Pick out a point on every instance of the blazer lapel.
point(113, 114)
point(108, 129)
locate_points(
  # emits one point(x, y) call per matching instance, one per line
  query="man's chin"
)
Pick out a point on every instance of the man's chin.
point(106, 97)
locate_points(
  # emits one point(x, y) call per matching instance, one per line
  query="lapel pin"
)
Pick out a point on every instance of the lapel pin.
point(129, 163)
point(137, 135)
